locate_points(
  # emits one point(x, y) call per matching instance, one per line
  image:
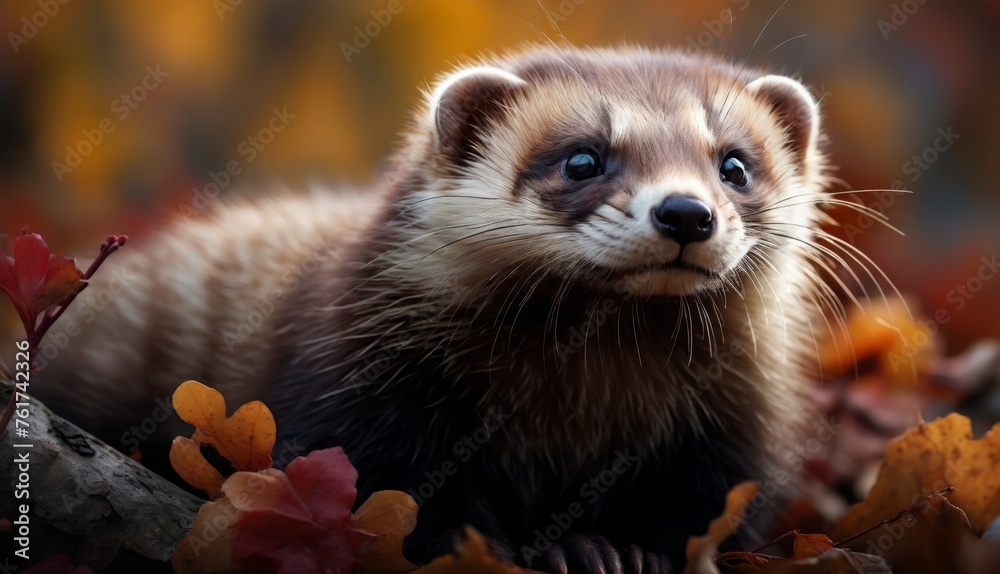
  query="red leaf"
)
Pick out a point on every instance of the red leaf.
point(265, 490)
point(62, 281)
point(36, 280)
point(266, 541)
point(300, 521)
point(325, 481)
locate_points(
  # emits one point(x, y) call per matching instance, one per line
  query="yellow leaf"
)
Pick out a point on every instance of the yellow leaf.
point(474, 557)
point(190, 464)
point(928, 538)
point(244, 439)
point(926, 459)
point(390, 515)
point(207, 547)
point(701, 550)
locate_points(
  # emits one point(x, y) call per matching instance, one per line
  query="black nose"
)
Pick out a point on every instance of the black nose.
point(684, 219)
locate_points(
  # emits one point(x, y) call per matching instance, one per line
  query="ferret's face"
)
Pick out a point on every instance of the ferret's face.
point(649, 174)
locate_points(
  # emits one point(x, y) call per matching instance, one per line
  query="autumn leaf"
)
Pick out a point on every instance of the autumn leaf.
point(207, 548)
point(297, 522)
point(244, 439)
point(832, 561)
point(36, 280)
point(812, 554)
point(265, 541)
point(381, 523)
point(928, 537)
point(41, 284)
point(389, 515)
point(883, 345)
point(190, 464)
point(268, 489)
point(701, 550)
point(325, 480)
point(929, 458)
point(810, 545)
point(473, 556)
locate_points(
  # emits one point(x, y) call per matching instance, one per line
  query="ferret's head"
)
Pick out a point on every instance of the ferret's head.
point(643, 172)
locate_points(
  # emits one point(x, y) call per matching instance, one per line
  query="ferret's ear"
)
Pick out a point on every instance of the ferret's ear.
point(796, 110)
point(463, 105)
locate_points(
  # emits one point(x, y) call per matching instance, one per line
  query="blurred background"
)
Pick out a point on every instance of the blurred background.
point(117, 115)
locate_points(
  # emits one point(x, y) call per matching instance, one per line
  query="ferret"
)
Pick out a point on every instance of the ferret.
point(579, 308)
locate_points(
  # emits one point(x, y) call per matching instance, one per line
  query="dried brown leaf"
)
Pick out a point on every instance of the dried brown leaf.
point(926, 459)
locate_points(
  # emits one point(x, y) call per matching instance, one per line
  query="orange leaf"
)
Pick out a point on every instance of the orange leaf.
point(390, 515)
point(929, 537)
point(474, 556)
point(894, 349)
point(701, 550)
point(268, 489)
point(244, 439)
point(928, 458)
point(190, 464)
point(207, 547)
point(833, 561)
point(809, 545)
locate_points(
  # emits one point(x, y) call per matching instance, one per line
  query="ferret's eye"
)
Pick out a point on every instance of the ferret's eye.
point(582, 164)
point(733, 171)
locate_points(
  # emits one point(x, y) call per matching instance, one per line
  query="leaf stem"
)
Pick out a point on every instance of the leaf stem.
point(110, 245)
point(41, 327)
point(902, 513)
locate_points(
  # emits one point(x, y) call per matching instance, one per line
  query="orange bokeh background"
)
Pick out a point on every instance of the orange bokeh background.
point(893, 73)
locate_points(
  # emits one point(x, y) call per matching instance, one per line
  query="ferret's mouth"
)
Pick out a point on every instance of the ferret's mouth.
point(670, 266)
point(671, 278)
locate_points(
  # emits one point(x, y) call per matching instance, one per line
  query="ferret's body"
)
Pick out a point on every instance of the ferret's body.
point(575, 316)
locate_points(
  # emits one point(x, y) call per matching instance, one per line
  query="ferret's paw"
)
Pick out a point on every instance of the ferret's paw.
point(596, 555)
